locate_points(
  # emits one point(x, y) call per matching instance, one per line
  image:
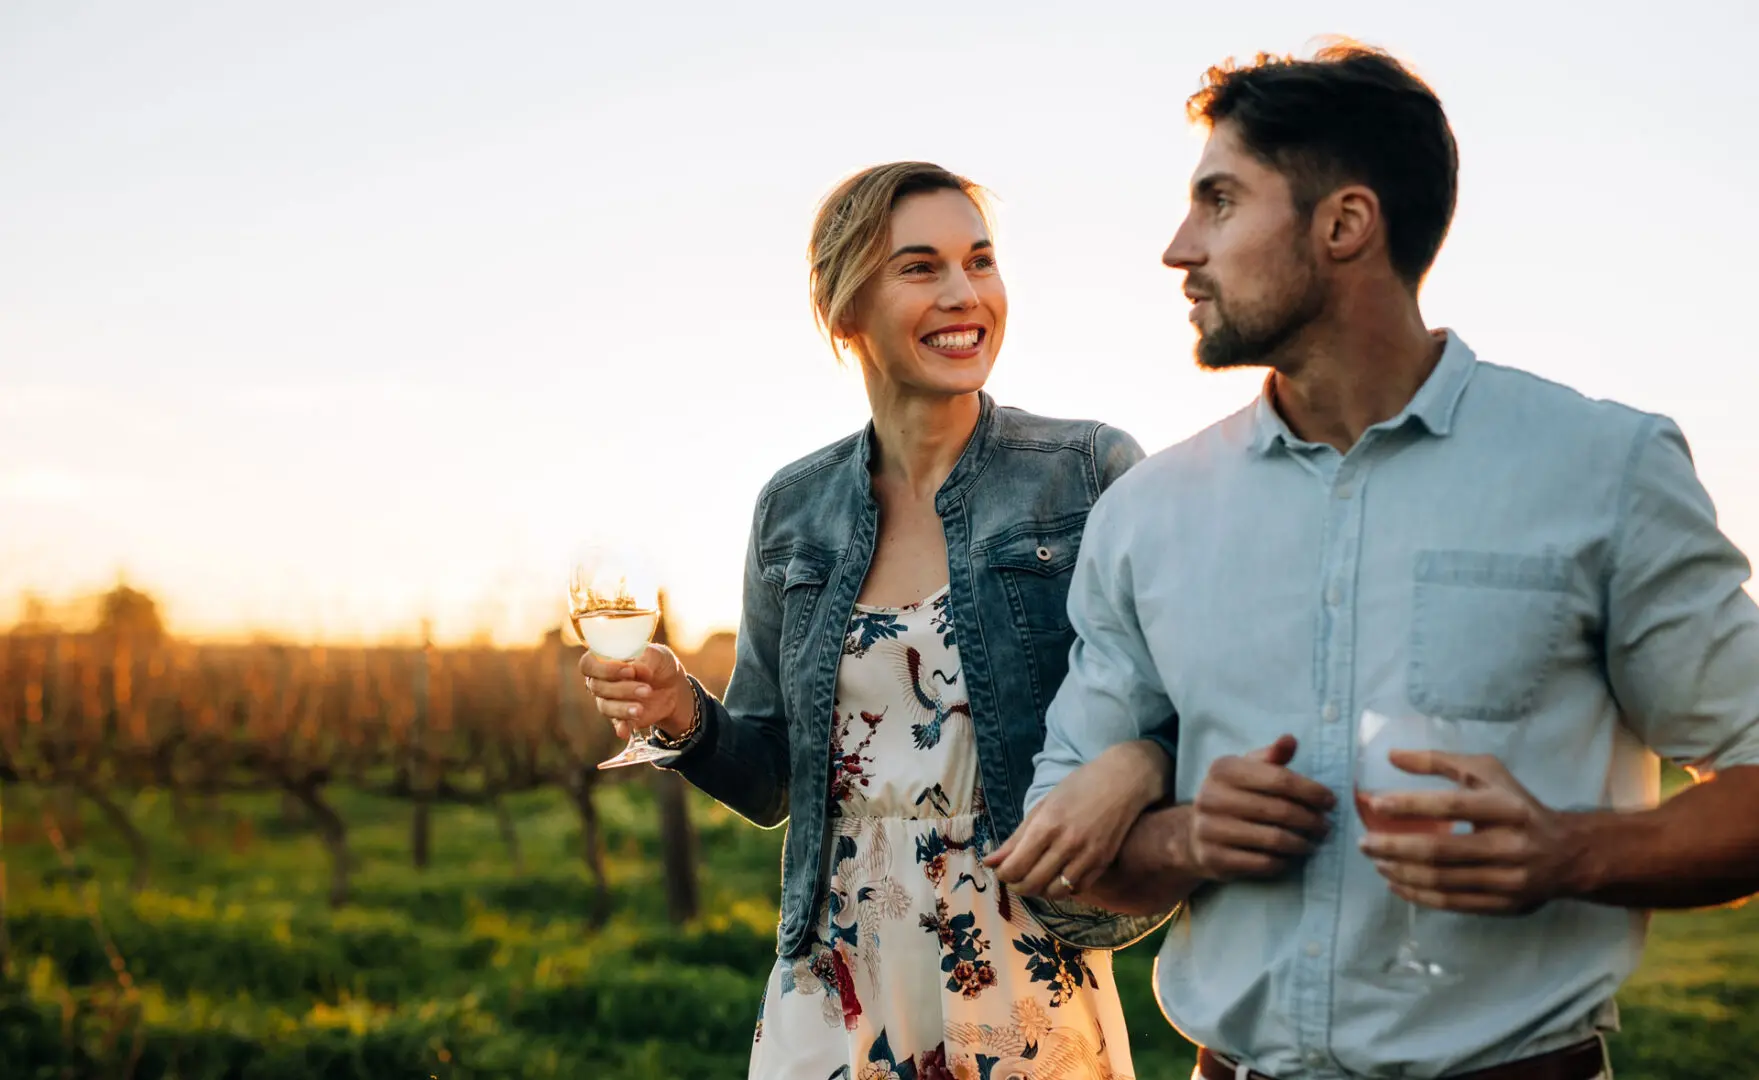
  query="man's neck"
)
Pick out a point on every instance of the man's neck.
point(1352, 371)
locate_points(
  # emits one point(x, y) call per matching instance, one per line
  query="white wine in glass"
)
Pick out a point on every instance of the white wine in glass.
point(614, 607)
point(1378, 733)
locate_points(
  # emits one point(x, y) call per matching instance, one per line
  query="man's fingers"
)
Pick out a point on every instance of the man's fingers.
point(1500, 880)
point(1279, 753)
point(1472, 903)
point(1265, 779)
point(1470, 770)
point(1490, 847)
point(1482, 806)
point(1244, 835)
point(1223, 802)
point(1229, 864)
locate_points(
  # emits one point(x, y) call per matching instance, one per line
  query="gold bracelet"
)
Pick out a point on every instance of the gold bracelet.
point(667, 742)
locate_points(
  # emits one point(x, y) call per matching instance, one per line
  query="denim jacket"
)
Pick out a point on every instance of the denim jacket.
point(1013, 510)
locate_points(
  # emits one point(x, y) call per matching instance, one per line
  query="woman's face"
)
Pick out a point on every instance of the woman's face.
point(931, 320)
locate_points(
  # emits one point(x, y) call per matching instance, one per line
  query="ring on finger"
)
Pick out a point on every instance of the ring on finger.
point(1068, 886)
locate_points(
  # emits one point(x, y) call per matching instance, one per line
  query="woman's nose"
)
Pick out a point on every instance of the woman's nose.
point(959, 293)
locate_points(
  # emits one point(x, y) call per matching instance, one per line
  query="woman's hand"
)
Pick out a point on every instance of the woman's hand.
point(1073, 834)
point(649, 692)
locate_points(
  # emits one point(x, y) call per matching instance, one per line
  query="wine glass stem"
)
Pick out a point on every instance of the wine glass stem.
point(1411, 926)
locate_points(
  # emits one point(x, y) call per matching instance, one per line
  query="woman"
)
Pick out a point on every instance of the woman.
point(903, 632)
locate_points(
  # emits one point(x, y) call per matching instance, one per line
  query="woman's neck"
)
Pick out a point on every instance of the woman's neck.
point(920, 438)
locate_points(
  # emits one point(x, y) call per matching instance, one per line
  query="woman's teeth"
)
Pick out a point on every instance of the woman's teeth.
point(957, 340)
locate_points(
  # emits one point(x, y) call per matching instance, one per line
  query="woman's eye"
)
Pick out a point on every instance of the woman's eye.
point(983, 262)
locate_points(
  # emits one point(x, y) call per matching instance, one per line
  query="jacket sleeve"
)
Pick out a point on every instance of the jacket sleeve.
point(739, 757)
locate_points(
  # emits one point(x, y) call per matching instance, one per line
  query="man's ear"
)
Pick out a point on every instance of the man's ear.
point(1349, 223)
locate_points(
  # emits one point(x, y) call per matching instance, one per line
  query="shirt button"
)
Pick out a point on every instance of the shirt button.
point(1330, 712)
point(1314, 948)
point(1316, 1057)
point(1334, 596)
point(1345, 491)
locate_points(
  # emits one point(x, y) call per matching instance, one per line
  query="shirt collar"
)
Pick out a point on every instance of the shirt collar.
point(1434, 405)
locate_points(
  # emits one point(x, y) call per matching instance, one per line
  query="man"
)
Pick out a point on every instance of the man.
point(1392, 521)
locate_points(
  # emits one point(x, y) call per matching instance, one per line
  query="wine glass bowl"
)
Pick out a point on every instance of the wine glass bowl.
point(614, 609)
point(1378, 733)
point(613, 604)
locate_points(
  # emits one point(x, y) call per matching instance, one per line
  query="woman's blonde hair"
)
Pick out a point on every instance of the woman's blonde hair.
point(854, 226)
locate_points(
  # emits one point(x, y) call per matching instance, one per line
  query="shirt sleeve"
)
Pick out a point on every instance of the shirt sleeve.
point(1113, 692)
point(1682, 643)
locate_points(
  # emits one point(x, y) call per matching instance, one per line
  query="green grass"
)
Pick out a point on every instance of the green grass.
point(467, 970)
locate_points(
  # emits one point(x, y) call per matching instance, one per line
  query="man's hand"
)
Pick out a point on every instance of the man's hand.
point(1518, 856)
point(1254, 817)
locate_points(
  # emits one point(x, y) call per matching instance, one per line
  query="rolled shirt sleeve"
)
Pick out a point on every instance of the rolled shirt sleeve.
point(1682, 633)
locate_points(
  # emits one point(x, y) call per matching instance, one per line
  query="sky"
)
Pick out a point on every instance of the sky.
point(323, 319)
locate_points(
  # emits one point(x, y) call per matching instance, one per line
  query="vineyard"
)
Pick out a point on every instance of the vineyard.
point(269, 861)
point(127, 709)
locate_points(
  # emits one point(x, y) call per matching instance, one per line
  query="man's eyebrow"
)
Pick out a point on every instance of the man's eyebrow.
point(1207, 184)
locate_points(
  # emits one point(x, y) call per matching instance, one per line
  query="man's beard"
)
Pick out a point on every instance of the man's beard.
point(1256, 339)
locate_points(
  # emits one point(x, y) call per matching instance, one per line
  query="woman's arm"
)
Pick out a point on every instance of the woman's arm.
point(739, 753)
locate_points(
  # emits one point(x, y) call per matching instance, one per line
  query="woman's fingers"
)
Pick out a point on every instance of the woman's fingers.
point(620, 710)
point(619, 690)
point(1039, 864)
point(1023, 849)
point(593, 667)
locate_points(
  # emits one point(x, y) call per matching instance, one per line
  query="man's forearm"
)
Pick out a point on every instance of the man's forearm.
point(1152, 871)
point(1698, 849)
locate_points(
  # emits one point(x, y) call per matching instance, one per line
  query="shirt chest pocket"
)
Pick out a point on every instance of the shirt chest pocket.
point(1485, 630)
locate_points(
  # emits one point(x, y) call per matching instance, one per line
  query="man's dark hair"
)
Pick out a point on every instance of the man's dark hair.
point(1352, 114)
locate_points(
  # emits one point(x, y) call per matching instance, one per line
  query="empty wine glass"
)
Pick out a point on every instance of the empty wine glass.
point(614, 608)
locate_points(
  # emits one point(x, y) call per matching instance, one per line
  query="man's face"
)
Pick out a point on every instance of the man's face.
point(1248, 258)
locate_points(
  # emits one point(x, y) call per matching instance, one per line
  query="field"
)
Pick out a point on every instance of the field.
point(236, 965)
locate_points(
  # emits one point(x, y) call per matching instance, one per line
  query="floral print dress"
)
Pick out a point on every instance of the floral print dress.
point(922, 966)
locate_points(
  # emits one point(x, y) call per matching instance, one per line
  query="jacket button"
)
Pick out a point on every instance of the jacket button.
point(1043, 553)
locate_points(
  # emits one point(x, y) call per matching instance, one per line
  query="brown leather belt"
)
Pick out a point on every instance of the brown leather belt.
point(1583, 1061)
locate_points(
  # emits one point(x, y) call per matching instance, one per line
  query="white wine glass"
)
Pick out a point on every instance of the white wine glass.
point(1377, 733)
point(614, 608)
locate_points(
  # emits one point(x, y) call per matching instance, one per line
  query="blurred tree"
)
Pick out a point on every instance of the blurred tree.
point(128, 612)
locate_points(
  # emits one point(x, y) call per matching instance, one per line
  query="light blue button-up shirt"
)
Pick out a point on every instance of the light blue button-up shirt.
point(1505, 552)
